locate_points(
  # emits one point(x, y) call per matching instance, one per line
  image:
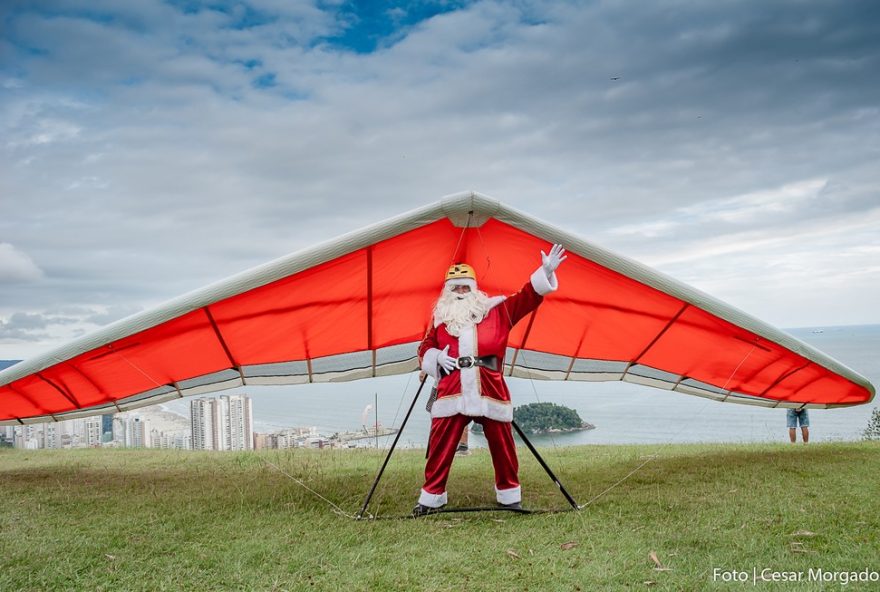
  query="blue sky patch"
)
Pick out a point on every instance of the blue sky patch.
point(368, 26)
point(243, 16)
point(267, 80)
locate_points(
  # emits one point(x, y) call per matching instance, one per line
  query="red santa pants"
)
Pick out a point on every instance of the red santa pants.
point(445, 433)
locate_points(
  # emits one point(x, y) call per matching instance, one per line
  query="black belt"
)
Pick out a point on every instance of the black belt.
point(490, 362)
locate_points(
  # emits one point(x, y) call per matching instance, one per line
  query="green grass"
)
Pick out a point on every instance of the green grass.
point(169, 520)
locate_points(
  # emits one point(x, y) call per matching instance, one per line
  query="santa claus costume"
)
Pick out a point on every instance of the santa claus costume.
point(464, 352)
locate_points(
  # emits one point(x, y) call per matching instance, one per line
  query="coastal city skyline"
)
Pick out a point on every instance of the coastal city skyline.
point(223, 422)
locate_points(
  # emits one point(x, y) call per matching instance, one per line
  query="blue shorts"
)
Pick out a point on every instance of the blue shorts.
point(794, 416)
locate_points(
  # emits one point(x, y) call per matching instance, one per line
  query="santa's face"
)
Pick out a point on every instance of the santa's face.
point(459, 307)
point(461, 291)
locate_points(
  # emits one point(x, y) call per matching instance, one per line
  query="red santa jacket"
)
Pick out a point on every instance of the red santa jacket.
point(480, 391)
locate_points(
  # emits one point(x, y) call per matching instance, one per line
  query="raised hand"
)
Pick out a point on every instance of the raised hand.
point(552, 261)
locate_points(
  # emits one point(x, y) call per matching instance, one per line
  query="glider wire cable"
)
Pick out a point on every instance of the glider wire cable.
point(699, 411)
point(139, 369)
point(693, 417)
point(686, 425)
point(336, 509)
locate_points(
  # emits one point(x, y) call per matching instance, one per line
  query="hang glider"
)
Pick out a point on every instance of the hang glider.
point(357, 306)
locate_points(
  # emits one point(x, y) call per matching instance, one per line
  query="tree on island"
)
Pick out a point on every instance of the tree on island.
point(872, 432)
point(536, 418)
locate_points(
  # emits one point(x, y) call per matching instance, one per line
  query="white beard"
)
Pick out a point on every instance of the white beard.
point(459, 311)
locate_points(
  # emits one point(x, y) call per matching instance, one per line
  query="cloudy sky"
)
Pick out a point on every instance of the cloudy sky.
point(151, 147)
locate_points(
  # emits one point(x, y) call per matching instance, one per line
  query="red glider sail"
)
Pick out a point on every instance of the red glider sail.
point(357, 306)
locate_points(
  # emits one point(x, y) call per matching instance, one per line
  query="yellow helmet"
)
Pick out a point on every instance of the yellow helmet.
point(461, 271)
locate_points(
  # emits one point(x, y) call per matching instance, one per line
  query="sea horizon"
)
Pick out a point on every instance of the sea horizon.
point(623, 413)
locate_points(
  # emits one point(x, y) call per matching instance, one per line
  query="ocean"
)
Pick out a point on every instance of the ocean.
point(623, 413)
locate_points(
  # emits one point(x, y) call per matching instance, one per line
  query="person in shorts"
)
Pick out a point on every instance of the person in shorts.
point(795, 417)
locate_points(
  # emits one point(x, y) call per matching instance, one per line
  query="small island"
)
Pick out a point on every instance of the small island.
point(545, 418)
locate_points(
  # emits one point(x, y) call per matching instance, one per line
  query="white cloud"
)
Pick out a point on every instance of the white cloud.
point(141, 160)
point(16, 266)
point(829, 239)
point(49, 131)
point(754, 207)
point(751, 206)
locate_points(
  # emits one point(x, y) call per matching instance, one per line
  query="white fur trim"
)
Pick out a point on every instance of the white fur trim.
point(495, 301)
point(470, 377)
point(432, 500)
point(507, 496)
point(542, 284)
point(429, 363)
point(447, 406)
point(497, 410)
point(487, 407)
point(467, 342)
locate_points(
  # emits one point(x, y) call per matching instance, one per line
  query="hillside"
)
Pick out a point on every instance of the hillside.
point(170, 520)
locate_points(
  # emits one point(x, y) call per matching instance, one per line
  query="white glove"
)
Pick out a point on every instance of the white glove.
point(552, 261)
point(445, 361)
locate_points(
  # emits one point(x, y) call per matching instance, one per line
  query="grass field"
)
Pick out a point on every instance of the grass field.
point(169, 520)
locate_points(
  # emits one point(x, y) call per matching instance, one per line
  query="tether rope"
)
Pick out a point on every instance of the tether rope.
point(627, 476)
point(706, 403)
point(136, 367)
point(336, 509)
point(686, 425)
point(741, 362)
